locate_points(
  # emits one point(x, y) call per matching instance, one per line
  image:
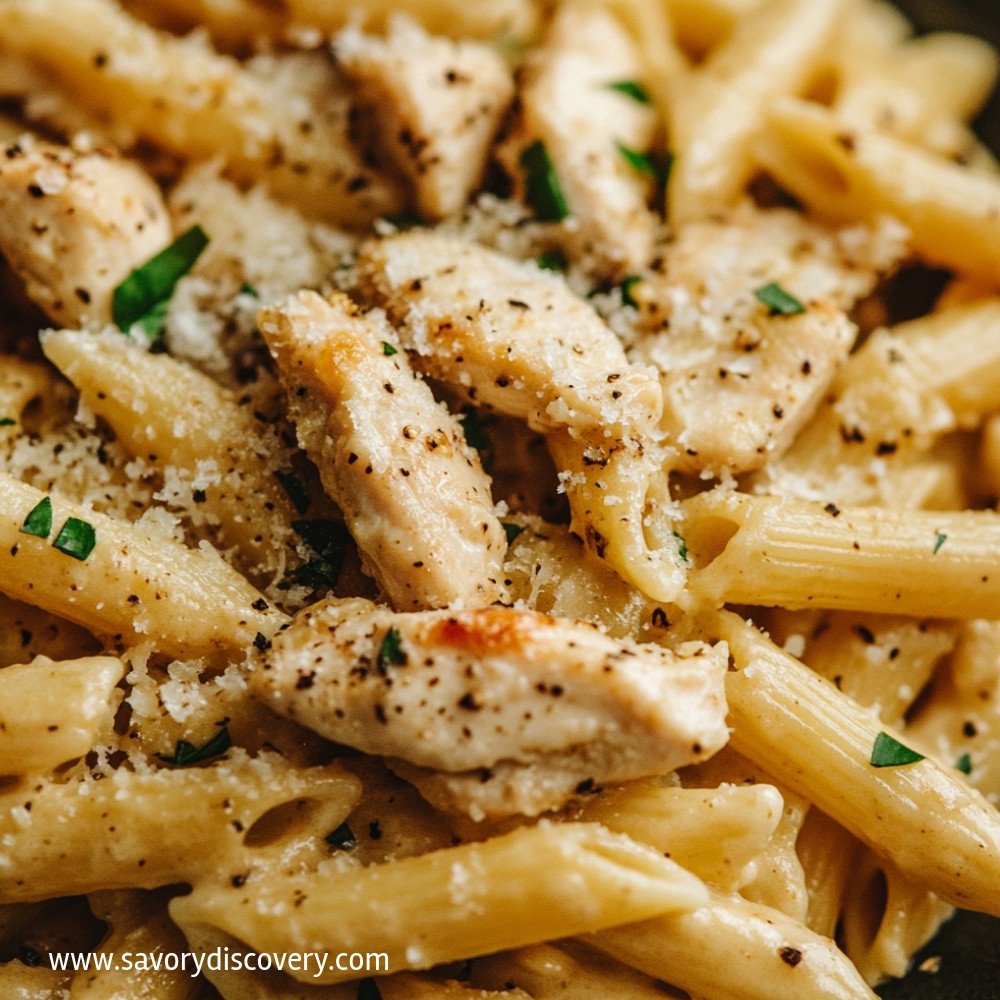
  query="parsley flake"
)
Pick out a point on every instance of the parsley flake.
point(391, 652)
point(295, 489)
point(511, 530)
point(778, 301)
point(247, 289)
point(327, 539)
point(185, 754)
point(39, 519)
point(343, 837)
point(76, 538)
point(552, 260)
point(473, 429)
point(889, 752)
point(542, 189)
point(939, 539)
point(631, 88)
point(388, 350)
point(641, 163)
point(682, 549)
point(7, 421)
point(964, 764)
point(142, 298)
point(629, 282)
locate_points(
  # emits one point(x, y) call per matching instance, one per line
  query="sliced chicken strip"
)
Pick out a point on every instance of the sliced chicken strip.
point(412, 491)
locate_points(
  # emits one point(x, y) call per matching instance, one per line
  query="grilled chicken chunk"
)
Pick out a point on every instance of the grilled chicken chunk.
point(507, 696)
point(436, 104)
point(509, 336)
point(73, 225)
point(413, 493)
point(597, 137)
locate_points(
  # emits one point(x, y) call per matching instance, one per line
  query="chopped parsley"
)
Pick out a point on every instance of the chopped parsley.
point(247, 289)
point(778, 301)
point(889, 752)
point(327, 539)
point(391, 652)
point(631, 88)
point(39, 519)
point(511, 530)
point(939, 539)
point(343, 837)
point(142, 298)
point(388, 350)
point(185, 754)
point(295, 489)
point(682, 548)
point(7, 421)
point(474, 430)
point(542, 189)
point(964, 764)
point(76, 538)
point(628, 284)
point(552, 260)
point(641, 163)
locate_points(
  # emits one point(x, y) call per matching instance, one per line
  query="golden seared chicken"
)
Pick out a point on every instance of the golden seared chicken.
point(509, 336)
point(73, 225)
point(495, 710)
point(436, 104)
point(413, 493)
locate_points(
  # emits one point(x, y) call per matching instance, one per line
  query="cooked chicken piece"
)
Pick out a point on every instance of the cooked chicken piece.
point(73, 225)
point(739, 380)
point(597, 138)
point(507, 694)
point(509, 336)
point(412, 491)
point(436, 105)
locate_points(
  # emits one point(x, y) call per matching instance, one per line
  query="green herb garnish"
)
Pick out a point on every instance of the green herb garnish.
point(39, 519)
point(76, 538)
point(186, 754)
point(629, 282)
point(247, 289)
point(552, 260)
point(631, 88)
point(939, 539)
point(295, 489)
point(778, 301)
point(474, 430)
point(7, 421)
point(889, 752)
point(142, 298)
point(391, 652)
point(541, 184)
point(328, 541)
point(964, 764)
point(388, 350)
point(343, 837)
point(641, 163)
point(682, 549)
point(511, 530)
point(30, 956)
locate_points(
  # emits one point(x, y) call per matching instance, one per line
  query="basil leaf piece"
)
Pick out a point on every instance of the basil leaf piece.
point(185, 754)
point(541, 184)
point(388, 350)
point(778, 301)
point(39, 519)
point(143, 296)
point(964, 764)
point(633, 89)
point(889, 752)
point(343, 837)
point(76, 538)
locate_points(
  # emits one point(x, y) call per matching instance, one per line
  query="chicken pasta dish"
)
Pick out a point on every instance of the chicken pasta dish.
point(497, 500)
